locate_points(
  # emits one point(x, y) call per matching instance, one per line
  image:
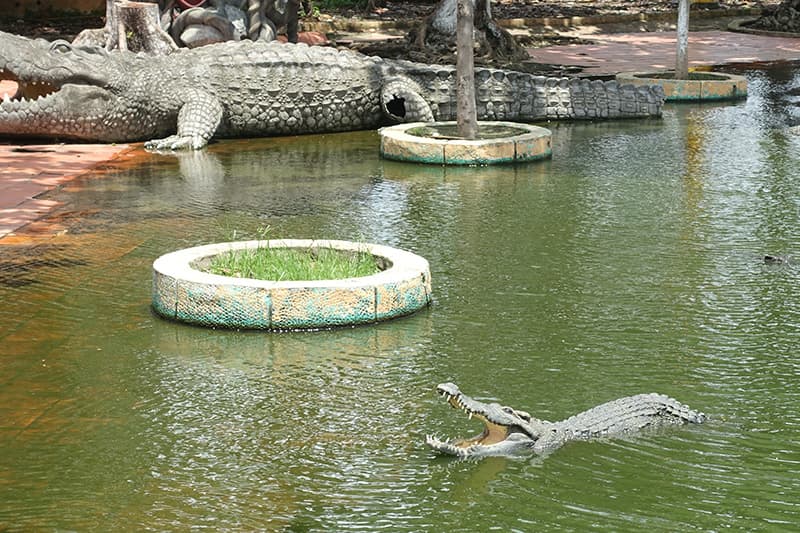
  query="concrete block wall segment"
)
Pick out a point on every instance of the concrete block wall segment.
point(726, 87)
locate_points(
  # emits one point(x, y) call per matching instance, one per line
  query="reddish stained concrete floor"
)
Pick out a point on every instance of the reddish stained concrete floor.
point(27, 171)
point(632, 52)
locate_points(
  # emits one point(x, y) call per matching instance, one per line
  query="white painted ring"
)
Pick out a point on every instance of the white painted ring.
point(183, 292)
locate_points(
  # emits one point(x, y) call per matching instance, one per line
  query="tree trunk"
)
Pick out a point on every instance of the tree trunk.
point(292, 24)
point(435, 37)
point(98, 36)
point(133, 26)
point(466, 113)
point(139, 29)
point(682, 52)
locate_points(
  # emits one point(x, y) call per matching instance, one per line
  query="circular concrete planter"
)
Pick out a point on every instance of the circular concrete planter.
point(400, 144)
point(183, 292)
point(704, 86)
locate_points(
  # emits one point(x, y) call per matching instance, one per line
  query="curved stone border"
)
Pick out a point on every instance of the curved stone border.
point(726, 87)
point(398, 145)
point(741, 26)
point(182, 292)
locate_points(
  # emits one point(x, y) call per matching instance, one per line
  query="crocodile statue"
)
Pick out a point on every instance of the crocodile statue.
point(509, 431)
point(256, 88)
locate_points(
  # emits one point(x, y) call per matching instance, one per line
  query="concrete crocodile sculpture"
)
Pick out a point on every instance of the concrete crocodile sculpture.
point(253, 89)
point(511, 432)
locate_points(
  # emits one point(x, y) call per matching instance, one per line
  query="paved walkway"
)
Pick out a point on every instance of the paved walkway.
point(27, 171)
point(620, 52)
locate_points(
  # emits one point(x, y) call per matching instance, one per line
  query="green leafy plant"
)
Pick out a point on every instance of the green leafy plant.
point(313, 12)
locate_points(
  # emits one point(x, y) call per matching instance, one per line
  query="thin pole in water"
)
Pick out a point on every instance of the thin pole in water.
point(682, 52)
point(466, 114)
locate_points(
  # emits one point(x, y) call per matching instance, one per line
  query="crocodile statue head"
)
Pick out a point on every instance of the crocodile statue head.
point(65, 91)
point(509, 431)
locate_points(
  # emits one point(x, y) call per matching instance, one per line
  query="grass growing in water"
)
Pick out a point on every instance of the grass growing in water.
point(293, 264)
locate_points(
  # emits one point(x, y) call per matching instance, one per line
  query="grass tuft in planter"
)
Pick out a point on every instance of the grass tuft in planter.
point(293, 264)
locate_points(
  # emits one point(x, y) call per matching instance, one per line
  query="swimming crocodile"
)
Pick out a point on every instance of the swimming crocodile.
point(509, 431)
point(256, 88)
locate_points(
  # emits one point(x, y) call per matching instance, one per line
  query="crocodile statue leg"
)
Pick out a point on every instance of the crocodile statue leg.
point(198, 120)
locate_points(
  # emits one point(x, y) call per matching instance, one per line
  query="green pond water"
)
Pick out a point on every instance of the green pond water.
point(631, 262)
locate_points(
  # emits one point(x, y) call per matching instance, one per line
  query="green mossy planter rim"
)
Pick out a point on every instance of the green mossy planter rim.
point(183, 292)
point(399, 143)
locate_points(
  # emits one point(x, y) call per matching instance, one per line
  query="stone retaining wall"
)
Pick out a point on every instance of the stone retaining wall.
point(587, 99)
point(700, 85)
point(504, 95)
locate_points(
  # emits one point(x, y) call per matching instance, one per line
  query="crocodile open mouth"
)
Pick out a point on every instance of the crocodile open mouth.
point(54, 103)
point(9, 88)
point(493, 432)
point(12, 89)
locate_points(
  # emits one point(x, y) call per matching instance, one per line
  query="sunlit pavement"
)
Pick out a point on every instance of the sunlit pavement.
point(28, 170)
point(621, 52)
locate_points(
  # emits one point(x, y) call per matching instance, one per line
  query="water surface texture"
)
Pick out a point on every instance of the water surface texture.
point(631, 262)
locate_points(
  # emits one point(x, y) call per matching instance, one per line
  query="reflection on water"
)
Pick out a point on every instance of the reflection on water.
point(630, 262)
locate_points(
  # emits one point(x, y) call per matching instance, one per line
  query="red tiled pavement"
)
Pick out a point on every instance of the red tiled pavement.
point(631, 52)
point(29, 170)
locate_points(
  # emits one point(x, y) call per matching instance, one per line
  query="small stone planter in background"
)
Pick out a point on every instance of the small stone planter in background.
point(181, 291)
point(700, 85)
point(402, 143)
